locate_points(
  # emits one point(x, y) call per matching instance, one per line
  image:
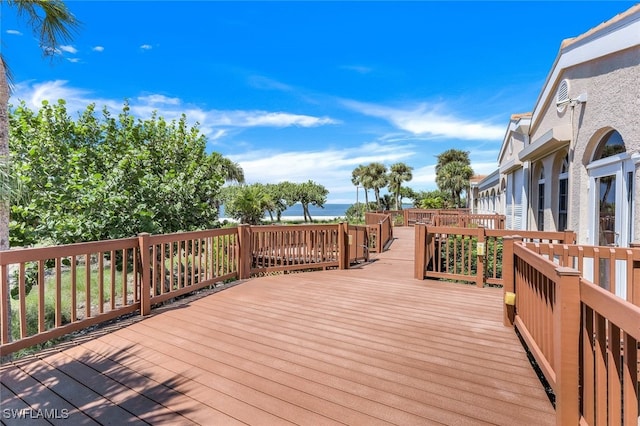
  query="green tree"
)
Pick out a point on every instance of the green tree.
point(431, 199)
point(376, 177)
point(451, 155)
point(386, 202)
point(102, 177)
point(249, 204)
point(359, 178)
point(453, 172)
point(453, 178)
point(307, 193)
point(406, 192)
point(53, 23)
point(229, 170)
point(398, 173)
point(278, 194)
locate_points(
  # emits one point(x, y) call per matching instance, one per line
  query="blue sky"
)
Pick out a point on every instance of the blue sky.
point(310, 90)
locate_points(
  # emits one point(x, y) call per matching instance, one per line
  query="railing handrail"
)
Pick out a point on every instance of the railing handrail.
point(621, 312)
point(34, 254)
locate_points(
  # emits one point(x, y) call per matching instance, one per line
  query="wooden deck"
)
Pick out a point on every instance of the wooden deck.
point(365, 346)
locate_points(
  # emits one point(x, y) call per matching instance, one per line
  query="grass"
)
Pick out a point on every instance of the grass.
point(32, 300)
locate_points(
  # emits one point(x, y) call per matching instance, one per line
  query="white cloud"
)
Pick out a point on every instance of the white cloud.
point(76, 99)
point(98, 49)
point(424, 177)
point(52, 50)
point(265, 119)
point(69, 49)
point(146, 47)
point(159, 100)
point(73, 60)
point(357, 68)
point(14, 32)
point(265, 83)
point(484, 168)
point(428, 120)
point(213, 123)
point(217, 134)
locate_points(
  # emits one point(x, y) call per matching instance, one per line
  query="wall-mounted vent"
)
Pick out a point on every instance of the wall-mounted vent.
point(562, 96)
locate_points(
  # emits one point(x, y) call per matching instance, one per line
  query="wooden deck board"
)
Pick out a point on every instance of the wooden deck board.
point(370, 345)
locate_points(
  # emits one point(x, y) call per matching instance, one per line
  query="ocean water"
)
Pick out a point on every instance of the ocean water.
point(328, 210)
point(333, 210)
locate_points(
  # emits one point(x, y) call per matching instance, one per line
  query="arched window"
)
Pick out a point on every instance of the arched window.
point(611, 144)
point(540, 215)
point(563, 194)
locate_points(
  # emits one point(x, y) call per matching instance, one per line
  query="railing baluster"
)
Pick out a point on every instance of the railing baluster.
point(41, 307)
point(74, 314)
point(87, 285)
point(58, 295)
point(588, 365)
point(100, 282)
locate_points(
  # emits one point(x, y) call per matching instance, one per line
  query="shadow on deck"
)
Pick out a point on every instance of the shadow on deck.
point(369, 345)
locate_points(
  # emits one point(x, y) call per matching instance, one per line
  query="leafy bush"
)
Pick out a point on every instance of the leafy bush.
point(99, 177)
point(468, 265)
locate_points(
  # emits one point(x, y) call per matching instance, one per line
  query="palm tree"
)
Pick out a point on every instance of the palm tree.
point(52, 22)
point(359, 178)
point(452, 155)
point(453, 178)
point(250, 203)
point(398, 173)
point(229, 170)
point(376, 177)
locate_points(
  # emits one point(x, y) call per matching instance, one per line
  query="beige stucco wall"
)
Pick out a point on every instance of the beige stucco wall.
point(612, 84)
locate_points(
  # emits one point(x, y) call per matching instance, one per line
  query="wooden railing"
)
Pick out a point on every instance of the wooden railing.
point(449, 217)
point(80, 285)
point(413, 216)
point(607, 267)
point(583, 337)
point(185, 262)
point(73, 287)
point(469, 254)
point(358, 241)
point(380, 231)
point(290, 248)
point(489, 221)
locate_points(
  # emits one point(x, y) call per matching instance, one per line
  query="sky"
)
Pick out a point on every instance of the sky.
point(303, 91)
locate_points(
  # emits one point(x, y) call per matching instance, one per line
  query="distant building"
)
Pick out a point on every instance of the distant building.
point(472, 198)
point(484, 194)
point(513, 174)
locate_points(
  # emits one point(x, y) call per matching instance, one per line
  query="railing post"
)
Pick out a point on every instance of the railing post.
point(480, 257)
point(509, 278)
point(244, 251)
point(343, 246)
point(569, 237)
point(634, 287)
point(5, 307)
point(566, 341)
point(145, 274)
point(420, 250)
point(405, 217)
